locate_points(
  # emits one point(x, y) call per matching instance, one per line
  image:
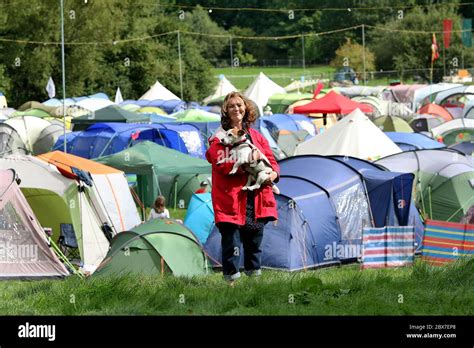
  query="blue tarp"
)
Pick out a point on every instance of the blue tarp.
point(413, 141)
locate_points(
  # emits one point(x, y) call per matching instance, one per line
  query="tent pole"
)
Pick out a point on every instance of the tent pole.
point(363, 51)
point(302, 50)
point(231, 53)
point(180, 67)
point(63, 68)
point(175, 192)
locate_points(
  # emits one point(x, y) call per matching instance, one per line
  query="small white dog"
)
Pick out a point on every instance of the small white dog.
point(242, 151)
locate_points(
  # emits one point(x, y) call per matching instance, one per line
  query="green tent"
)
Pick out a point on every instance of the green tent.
point(160, 170)
point(196, 115)
point(31, 112)
point(444, 188)
point(112, 113)
point(393, 124)
point(154, 248)
point(281, 101)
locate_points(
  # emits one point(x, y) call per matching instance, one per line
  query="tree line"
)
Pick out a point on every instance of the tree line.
point(116, 57)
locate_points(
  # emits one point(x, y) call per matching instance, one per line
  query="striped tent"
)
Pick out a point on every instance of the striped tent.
point(446, 242)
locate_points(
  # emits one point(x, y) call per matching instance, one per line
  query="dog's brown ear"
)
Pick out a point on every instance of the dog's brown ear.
point(240, 132)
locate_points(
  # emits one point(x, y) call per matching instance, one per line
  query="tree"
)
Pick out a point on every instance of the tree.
point(351, 54)
point(405, 44)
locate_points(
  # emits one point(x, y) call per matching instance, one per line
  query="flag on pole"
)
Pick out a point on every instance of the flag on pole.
point(318, 89)
point(118, 96)
point(434, 49)
point(50, 88)
point(447, 28)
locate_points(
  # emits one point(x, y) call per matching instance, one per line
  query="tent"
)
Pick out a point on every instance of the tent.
point(322, 209)
point(196, 115)
point(304, 85)
point(427, 94)
point(435, 109)
point(10, 141)
point(444, 188)
point(146, 109)
point(61, 202)
point(359, 91)
point(37, 135)
point(288, 140)
point(160, 171)
point(385, 108)
point(3, 101)
point(25, 252)
point(110, 188)
point(355, 135)
point(413, 141)
point(392, 124)
point(390, 196)
point(103, 139)
point(280, 102)
point(291, 122)
point(169, 106)
point(158, 91)
point(111, 113)
point(261, 89)
point(154, 248)
point(402, 93)
point(332, 103)
point(466, 147)
point(222, 88)
point(424, 123)
point(455, 131)
point(200, 216)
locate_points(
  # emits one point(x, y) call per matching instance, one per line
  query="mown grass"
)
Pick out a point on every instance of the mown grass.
point(346, 290)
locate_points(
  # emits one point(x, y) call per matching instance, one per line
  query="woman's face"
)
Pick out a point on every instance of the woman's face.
point(236, 111)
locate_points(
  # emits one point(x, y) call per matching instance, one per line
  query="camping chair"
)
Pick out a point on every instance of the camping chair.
point(67, 242)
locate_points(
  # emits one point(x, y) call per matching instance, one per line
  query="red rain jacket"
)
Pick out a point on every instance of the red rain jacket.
point(228, 199)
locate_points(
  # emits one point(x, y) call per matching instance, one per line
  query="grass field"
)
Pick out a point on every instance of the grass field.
point(346, 290)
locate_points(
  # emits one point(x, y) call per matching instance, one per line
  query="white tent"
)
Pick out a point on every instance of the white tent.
point(355, 135)
point(29, 128)
point(459, 123)
point(223, 88)
point(261, 89)
point(158, 91)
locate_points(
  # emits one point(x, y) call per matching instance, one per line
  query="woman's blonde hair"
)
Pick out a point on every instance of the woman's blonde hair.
point(159, 205)
point(250, 114)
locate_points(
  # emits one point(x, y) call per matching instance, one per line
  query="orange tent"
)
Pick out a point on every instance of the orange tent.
point(437, 110)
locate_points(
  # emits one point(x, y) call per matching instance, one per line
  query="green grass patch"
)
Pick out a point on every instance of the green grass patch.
point(346, 290)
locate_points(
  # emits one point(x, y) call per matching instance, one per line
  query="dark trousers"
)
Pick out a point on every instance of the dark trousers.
point(233, 236)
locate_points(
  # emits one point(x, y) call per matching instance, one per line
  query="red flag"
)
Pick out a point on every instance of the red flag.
point(447, 28)
point(434, 49)
point(318, 89)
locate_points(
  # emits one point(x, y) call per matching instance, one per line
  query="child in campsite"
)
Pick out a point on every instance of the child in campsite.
point(239, 214)
point(159, 209)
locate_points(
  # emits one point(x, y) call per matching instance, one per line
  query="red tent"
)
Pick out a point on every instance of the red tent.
point(332, 103)
point(437, 110)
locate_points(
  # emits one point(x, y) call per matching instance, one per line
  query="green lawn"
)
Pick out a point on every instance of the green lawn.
point(242, 77)
point(346, 290)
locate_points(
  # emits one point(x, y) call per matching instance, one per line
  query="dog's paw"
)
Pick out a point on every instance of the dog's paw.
point(245, 188)
point(275, 189)
point(233, 171)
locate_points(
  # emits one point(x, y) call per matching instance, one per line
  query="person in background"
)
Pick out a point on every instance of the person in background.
point(159, 209)
point(203, 188)
point(240, 215)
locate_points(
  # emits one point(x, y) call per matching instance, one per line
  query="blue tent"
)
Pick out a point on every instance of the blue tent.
point(390, 196)
point(322, 209)
point(200, 216)
point(293, 122)
point(413, 141)
point(103, 139)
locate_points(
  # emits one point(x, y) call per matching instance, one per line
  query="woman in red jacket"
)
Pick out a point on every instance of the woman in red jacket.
point(240, 215)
